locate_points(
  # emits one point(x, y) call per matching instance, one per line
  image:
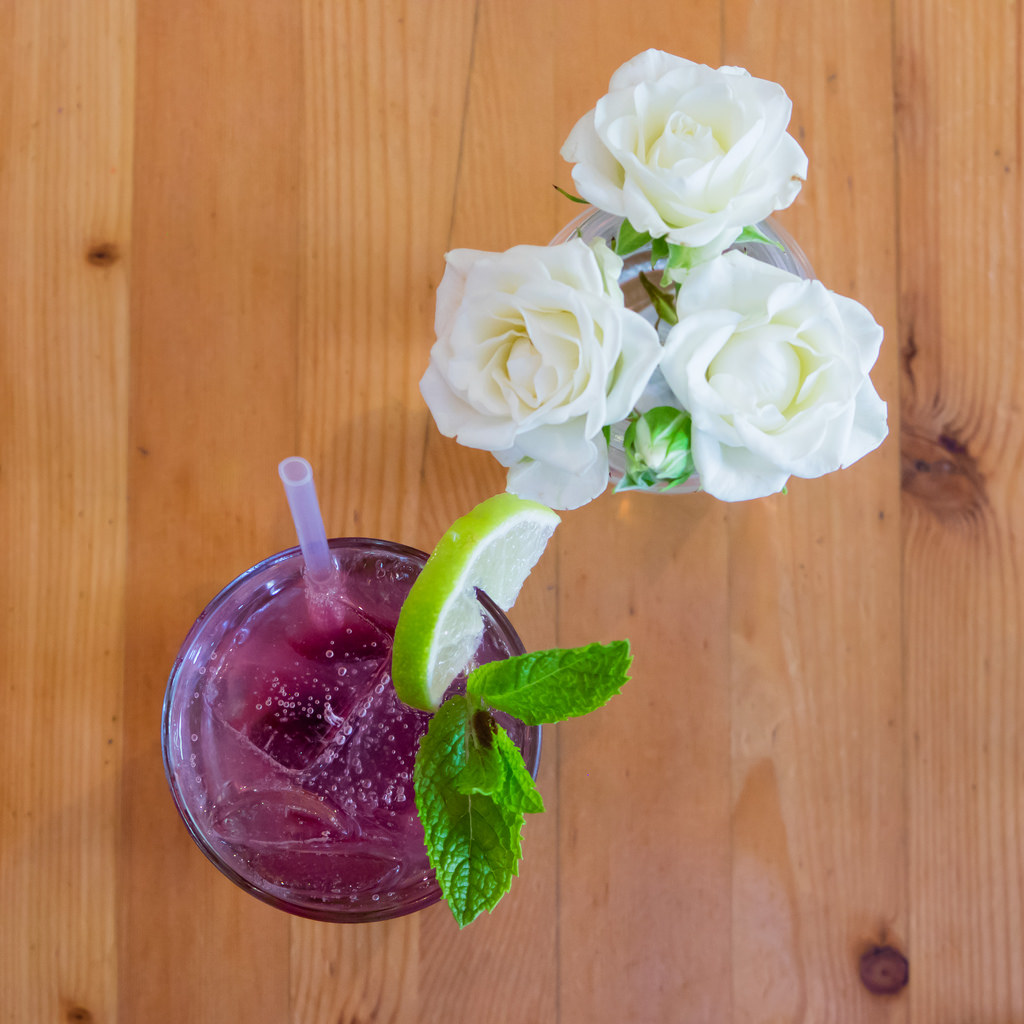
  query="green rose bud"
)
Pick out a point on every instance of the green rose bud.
point(657, 447)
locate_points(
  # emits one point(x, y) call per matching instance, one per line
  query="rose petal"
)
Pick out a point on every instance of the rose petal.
point(640, 352)
point(455, 418)
point(869, 428)
point(861, 328)
point(563, 446)
point(648, 66)
point(555, 488)
point(450, 291)
point(733, 474)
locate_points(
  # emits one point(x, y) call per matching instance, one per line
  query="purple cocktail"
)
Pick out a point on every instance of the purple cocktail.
point(288, 754)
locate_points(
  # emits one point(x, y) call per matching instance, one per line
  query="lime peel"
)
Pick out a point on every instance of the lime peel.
point(492, 548)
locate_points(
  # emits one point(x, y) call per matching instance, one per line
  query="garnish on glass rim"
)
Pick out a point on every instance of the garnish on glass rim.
point(472, 786)
point(493, 547)
point(539, 358)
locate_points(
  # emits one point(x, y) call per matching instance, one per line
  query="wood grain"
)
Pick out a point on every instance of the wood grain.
point(223, 224)
point(214, 315)
point(377, 211)
point(66, 80)
point(485, 214)
point(663, 917)
point(961, 192)
point(820, 813)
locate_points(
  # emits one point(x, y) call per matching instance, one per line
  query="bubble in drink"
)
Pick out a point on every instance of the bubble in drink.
point(290, 774)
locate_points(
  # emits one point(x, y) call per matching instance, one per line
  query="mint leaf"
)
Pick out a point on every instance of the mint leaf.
point(517, 786)
point(473, 837)
point(472, 785)
point(484, 770)
point(495, 767)
point(550, 686)
point(752, 234)
point(629, 239)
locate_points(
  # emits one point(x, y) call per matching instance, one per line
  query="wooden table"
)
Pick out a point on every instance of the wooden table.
point(221, 228)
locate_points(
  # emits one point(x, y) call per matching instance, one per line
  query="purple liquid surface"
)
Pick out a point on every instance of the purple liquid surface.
point(288, 753)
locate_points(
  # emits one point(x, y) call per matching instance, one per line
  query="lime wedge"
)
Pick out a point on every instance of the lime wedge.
point(492, 548)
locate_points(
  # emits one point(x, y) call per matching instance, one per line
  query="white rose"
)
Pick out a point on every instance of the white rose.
point(535, 353)
point(687, 152)
point(773, 370)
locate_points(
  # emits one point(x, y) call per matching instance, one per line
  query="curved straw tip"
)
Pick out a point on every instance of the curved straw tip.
point(295, 471)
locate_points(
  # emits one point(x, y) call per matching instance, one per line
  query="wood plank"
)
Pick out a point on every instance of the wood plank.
point(504, 965)
point(215, 304)
point(818, 770)
point(959, 102)
point(347, 974)
point(643, 799)
point(377, 211)
point(643, 808)
point(66, 77)
point(223, 224)
point(381, 135)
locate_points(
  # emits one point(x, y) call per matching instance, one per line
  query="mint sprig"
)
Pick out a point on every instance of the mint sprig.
point(496, 768)
point(473, 788)
point(551, 686)
point(473, 838)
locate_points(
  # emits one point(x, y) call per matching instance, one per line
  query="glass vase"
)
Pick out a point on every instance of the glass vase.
point(592, 224)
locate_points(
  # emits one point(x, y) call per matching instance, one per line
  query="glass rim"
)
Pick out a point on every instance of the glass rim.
point(605, 223)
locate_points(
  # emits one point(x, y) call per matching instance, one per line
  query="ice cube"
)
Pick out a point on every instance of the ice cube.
point(379, 583)
point(333, 613)
point(278, 816)
point(292, 738)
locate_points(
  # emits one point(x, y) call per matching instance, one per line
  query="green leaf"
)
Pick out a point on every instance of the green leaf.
point(473, 838)
point(518, 788)
point(752, 234)
point(682, 256)
point(484, 770)
point(495, 766)
point(659, 250)
point(663, 302)
point(680, 259)
point(550, 686)
point(570, 196)
point(629, 239)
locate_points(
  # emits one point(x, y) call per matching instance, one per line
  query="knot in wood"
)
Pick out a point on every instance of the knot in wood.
point(884, 970)
point(939, 471)
point(103, 255)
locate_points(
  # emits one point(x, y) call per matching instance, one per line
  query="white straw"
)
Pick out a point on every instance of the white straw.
point(297, 476)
